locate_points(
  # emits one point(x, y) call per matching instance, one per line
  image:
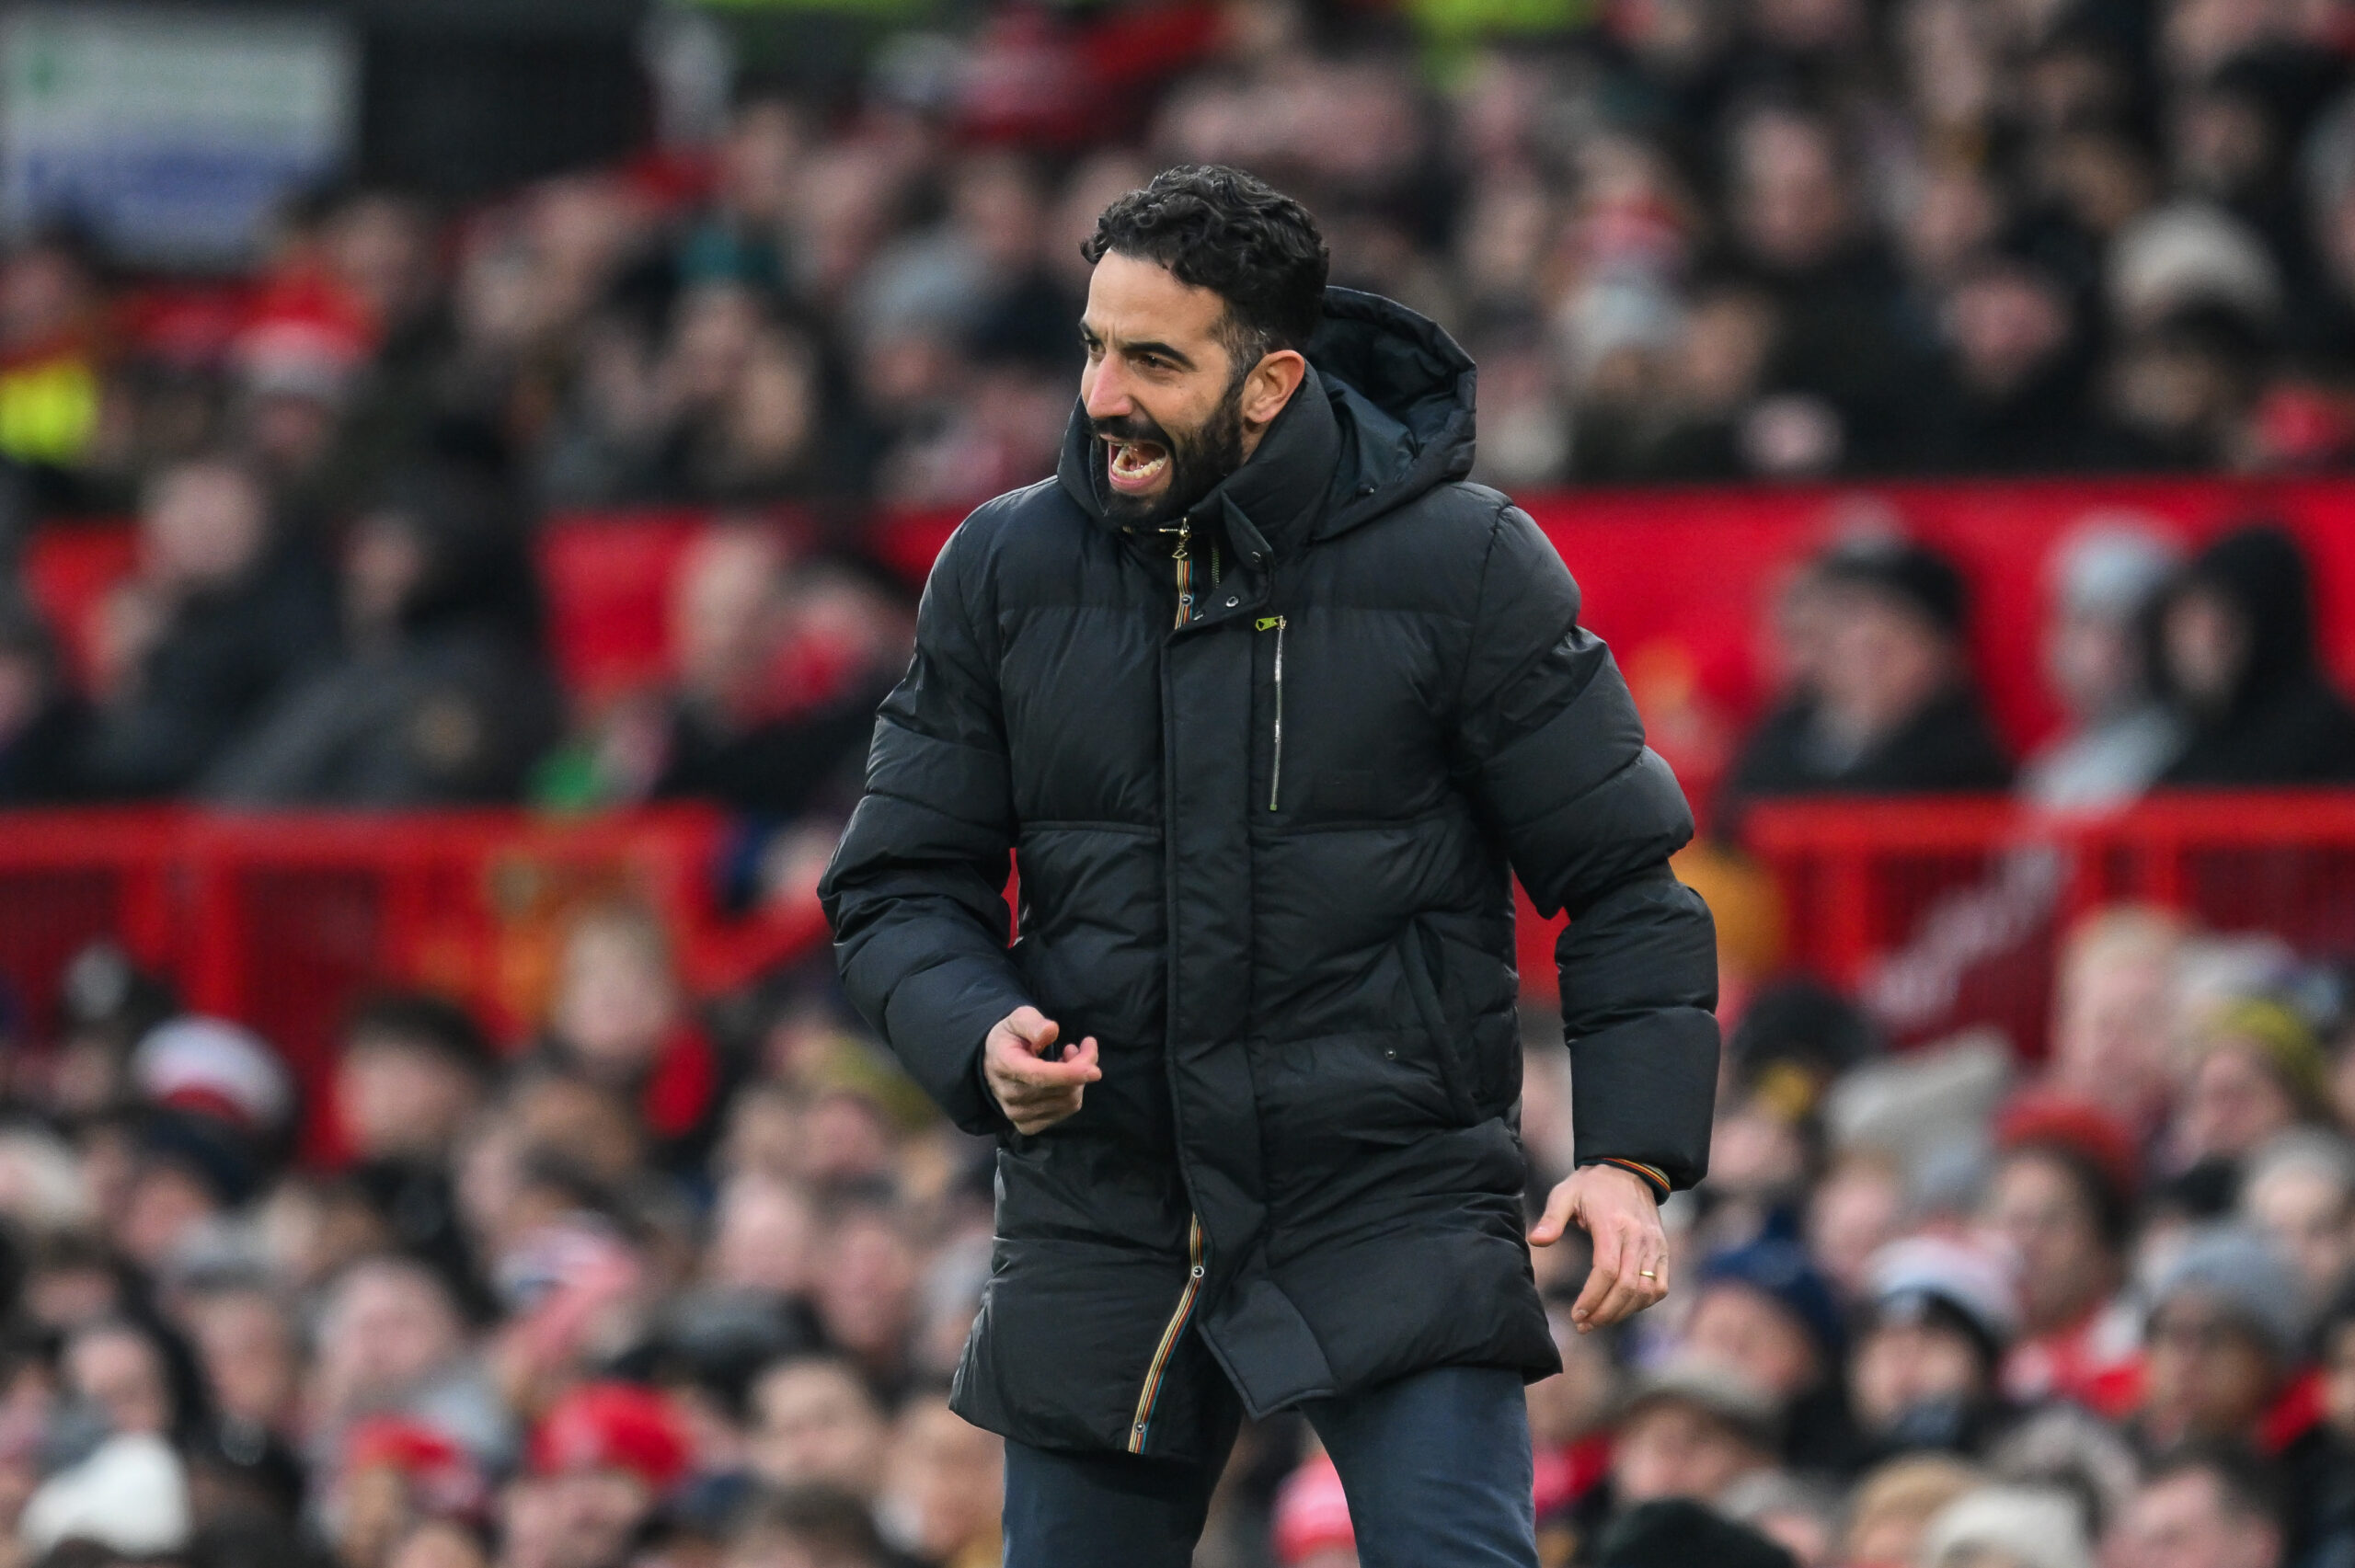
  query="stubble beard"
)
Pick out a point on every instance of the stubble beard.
point(1198, 462)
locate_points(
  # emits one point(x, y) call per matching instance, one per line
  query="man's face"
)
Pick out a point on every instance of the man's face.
point(2182, 1522)
point(1162, 390)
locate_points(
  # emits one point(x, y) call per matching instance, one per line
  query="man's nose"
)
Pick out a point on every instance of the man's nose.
point(1103, 393)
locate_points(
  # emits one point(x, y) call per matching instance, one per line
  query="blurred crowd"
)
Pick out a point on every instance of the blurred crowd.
point(1684, 239)
point(680, 1282)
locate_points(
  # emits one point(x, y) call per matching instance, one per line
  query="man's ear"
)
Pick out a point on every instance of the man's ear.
point(1270, 384)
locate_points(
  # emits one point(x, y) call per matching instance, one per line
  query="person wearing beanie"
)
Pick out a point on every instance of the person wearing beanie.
point(1692, 1429)
point(1766, 1310)
point(1892, 709)
point(2300, 1189)
point(2236, 643)
point(601, 1463)
point(2257, 1071)
point(2226, 1336)
point(1923, 1372)
point(2118, 736)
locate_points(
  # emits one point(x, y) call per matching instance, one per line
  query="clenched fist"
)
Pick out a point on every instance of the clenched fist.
point(1036, 1086)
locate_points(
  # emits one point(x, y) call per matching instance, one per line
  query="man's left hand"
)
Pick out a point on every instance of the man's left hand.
point(1617, 1209)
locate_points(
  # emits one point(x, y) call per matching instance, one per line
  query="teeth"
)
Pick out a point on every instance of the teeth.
point(1132, 463)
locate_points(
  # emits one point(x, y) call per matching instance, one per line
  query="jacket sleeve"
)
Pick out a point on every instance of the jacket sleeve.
point(915, 894)
point(1589, 815)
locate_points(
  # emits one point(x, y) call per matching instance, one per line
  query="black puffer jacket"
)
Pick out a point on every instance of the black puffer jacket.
point(1264, 860)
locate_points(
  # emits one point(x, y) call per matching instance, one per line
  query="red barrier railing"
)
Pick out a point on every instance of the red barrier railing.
point(278, 921)
point(1865, 882)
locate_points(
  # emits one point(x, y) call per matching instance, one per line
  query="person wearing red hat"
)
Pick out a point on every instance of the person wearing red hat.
point(601, 1463)
point(2062, 1198)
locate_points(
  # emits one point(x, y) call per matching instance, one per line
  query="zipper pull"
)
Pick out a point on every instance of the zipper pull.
point(1184, 569)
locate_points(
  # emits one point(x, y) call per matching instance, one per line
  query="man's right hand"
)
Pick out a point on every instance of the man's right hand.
point(1036, 1086)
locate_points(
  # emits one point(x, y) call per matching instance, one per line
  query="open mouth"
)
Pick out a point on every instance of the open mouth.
point(1135, 466)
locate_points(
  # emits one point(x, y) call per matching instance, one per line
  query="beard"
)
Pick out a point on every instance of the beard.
point(1199, 460)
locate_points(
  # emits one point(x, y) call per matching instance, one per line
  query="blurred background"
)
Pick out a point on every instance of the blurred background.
point(465, 473)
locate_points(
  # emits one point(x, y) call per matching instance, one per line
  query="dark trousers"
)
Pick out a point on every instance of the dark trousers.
point(1436, 1467)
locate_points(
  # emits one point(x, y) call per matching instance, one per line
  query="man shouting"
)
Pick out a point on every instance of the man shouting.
point(1271, 703)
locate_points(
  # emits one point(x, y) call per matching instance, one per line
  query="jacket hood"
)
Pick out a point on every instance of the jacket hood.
point(1385, 415)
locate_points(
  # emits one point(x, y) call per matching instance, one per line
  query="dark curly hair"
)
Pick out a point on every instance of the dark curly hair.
point(1229, 231)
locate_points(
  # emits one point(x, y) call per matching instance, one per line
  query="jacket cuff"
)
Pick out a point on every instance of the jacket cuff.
point(937, 1023)
point(1651, 1175)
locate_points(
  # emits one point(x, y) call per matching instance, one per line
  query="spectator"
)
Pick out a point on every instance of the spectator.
point(1923, 1374)
point(620, 1020)
point(2322, 1495)
point(2299, 1189)
point(2208, 1508)
point(1892, 1505)
point(1691, 1431)
point(2097, 659)
point(1796, 221)
point(809, 1526)
point(1762, 1311)
point(2256, 1071)
point(2114, 1015)
point(817, 1423)
point(945, 1481)
point(2225, 1336)
point(1890, 708)
point(415, 1068)
point(251, 1354)
point(218, 623)
point(599, 1463)
point(2019, 364)
point(441, 698)
point(780, 666)
point(2238, 659)
point(2061, 1198)
point(1674, 1531)
point(42, 721)
point(391, 1340)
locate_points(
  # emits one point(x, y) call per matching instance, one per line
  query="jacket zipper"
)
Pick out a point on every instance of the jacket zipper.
point(1276, 773)
point(1170, 1334)
point(1183, 565)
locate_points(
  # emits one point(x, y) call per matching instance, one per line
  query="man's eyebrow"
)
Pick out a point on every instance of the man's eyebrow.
point(1183, 361)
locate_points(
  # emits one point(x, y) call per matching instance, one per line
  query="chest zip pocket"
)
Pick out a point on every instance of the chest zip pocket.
point(1276, 769)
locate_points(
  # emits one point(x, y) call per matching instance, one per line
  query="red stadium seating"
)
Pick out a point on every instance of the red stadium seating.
point(280, 922)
